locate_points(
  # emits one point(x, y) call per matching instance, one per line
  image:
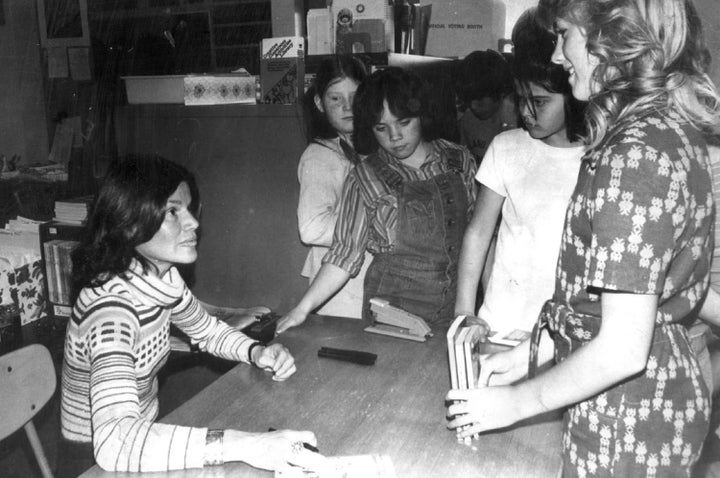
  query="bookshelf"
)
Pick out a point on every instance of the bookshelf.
point(57, 277)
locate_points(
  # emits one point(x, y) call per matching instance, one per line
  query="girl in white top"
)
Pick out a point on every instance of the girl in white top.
point(526, 179)
point(322, 170)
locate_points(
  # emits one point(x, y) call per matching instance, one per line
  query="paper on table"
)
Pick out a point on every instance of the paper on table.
point(356, 466)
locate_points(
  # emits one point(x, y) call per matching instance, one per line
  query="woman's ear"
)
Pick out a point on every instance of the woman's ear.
point(318, 104)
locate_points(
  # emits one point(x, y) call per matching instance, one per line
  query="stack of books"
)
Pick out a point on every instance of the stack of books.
point(58, 267)
point(73, 211)
point(463, 344)
point(463, 341)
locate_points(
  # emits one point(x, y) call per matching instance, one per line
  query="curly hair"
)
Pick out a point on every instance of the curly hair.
point(533, 47)
point(407, 97)
point(128, 211)
point(330, 71)
point(652, 57)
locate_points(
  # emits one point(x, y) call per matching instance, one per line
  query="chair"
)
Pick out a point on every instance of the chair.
point(27, 382)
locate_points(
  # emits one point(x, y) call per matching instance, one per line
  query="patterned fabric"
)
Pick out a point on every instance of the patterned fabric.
point(368, 212)
point(640, 221)
point(23, 287)
point(116, 342)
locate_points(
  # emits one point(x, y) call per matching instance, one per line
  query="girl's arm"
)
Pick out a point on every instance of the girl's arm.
point(710, 311)
point(329, 280)
point(475, 246)
point(619, 351)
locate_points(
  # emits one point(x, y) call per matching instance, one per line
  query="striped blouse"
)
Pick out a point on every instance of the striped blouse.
point(368, 212)
point(116, 342)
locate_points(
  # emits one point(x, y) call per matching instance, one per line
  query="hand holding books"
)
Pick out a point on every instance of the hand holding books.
point(464, 337)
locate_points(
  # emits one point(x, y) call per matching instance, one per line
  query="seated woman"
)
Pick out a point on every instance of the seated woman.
point(117, 339)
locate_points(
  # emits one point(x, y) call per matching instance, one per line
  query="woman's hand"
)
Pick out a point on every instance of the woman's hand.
point(275, 358)
point(292, 319)
point(481, 409)
point(280, 450)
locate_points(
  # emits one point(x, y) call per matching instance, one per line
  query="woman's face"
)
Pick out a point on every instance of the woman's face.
point(571, 52)
point(400, 137)
point(336, 103)
point(543, 113)
point(176, 241)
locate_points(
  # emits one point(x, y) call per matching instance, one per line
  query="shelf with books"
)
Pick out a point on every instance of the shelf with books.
point(58, 240)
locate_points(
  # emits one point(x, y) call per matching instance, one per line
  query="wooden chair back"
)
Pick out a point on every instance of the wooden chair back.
point(27, 382)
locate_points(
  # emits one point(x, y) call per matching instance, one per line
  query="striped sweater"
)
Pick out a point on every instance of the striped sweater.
point(116, 342)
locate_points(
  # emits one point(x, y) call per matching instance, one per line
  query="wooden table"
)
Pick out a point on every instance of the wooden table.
point(395, 407)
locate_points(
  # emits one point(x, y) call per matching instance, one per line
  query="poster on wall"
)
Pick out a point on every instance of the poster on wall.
point(63, 23)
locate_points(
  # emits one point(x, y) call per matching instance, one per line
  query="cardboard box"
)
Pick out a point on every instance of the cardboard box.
point(459, 27)
point(219, 89)
point(320, 41)
point(282, 69)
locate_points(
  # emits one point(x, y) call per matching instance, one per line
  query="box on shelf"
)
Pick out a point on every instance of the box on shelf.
point(154, 89)
point(282, 70)
point(320, 41)
point(219, 89)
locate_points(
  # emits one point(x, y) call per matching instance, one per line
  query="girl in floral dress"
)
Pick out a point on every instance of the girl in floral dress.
point(635, 254)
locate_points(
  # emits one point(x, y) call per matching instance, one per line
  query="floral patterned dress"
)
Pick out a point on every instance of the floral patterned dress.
point(640, 221)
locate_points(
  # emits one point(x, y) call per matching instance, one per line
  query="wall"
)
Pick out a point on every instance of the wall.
point(245, 161)
point(23, 125)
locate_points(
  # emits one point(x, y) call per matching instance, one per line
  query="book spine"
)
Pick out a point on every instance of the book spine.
point(50, 272)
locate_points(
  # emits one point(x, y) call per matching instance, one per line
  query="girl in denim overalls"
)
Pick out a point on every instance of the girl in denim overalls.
point(407, 203)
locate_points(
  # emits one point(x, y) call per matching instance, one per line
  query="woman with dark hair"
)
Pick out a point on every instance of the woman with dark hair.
point(407, 203)
point(635, 253)
point(143, 223)
point(322, 170)
point(526, 179)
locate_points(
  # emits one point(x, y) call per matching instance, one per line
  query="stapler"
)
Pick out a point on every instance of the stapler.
point(395, 322)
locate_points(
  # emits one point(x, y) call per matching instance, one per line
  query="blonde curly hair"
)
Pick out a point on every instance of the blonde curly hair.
point(652, 57)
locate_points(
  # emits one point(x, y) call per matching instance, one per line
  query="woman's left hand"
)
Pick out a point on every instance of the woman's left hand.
point(481, 409)
point(277, 359)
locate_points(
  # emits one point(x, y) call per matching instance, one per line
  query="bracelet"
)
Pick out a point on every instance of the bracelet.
point(214, 448)
point(250, 349)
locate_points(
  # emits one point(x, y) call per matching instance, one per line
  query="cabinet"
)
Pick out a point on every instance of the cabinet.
point(162, 37)
point(57, 270)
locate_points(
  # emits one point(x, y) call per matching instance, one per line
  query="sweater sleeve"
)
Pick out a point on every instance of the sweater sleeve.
point(125, 437)
point(321, 174)
point(211, 335)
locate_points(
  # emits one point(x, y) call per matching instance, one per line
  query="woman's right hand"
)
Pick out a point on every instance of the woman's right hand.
point(292, 319)
point(280, 450)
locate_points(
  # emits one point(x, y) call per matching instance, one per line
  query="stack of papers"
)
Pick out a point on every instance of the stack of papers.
point(73, 211)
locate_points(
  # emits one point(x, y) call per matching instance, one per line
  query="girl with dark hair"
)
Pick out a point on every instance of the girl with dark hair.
point(323, 167)
point(526, 179)
point(635, 253)
point(407, 203)
point(144, 222)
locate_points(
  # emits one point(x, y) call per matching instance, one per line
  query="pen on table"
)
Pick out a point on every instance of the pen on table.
point(307, 446)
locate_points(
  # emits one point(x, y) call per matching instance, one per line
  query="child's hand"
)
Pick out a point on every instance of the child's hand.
point(481, 409)
point(504, 368)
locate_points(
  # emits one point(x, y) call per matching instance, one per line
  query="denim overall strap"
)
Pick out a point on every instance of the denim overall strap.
point(420, 273)
point(386, 174)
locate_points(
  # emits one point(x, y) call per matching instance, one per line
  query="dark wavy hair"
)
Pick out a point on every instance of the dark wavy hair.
point(483, 73)
point(407, 97)
point(330, 70)
point(533, 46)
point(128, 211)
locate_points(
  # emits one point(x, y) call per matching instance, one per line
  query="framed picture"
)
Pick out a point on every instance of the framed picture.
point(63, 23)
